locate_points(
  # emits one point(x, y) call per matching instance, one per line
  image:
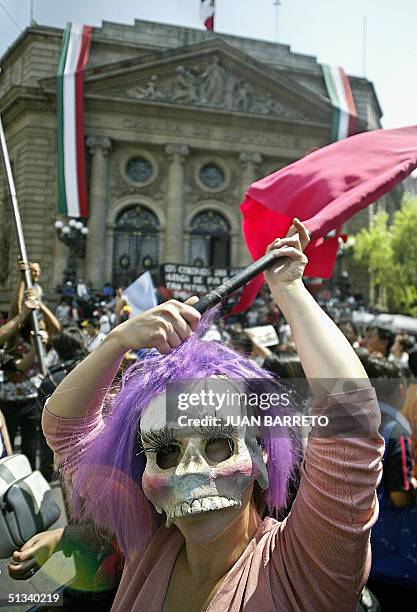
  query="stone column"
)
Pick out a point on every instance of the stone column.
point(249, 162)
point(175, 203)
point(108, 265)
point(94, 259)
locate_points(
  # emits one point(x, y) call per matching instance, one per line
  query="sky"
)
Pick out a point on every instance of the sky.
point(331, 30)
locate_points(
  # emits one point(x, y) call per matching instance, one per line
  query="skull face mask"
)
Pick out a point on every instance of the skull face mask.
point(203, 461)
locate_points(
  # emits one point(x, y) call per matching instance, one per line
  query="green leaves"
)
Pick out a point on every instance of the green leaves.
point(390, 255)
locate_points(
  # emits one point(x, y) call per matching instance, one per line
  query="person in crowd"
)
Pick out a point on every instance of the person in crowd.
point(18, 296)
point(95, 336)
point(108, 291)
point(18, 393)
point(70, 348)
point(68, 289)
point(51, 322)
point(394, 537)
point(349, 330)
point(398, 351)
point(81, 290)
point(132, 472)
point(99, 565)
point(5, 444)
point(13, 325)
point(410, 405)
point(104, 319)
point(63, 310)
point(120, 306)
point(245, 343)
point(285, 364)
point(379, 340)
point(19, 388)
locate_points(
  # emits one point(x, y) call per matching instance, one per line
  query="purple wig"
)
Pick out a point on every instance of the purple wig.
point(105, 478)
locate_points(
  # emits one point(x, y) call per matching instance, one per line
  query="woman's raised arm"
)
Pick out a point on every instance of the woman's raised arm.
point(324, 351)
point(164, 327)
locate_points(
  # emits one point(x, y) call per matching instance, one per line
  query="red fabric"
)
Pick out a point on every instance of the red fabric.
point(325, 189)
point(209, 23)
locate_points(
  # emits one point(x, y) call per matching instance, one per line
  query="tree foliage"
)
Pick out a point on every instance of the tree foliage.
point(390, 254)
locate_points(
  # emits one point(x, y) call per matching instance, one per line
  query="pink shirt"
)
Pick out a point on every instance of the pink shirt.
point(316, 560)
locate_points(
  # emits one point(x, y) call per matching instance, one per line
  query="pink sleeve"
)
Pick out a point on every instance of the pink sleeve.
point(67, 437)
point(323, 546)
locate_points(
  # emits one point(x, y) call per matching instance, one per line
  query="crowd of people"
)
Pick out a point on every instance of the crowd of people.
point(309, 344)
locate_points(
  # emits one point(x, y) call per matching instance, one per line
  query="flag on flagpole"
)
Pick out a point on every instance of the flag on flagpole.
point(72, 191)
point(141, 294)
point(207, 13)
point(324, 189)
point(341, 97)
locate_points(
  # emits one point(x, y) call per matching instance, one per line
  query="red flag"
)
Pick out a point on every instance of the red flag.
point(207, 13)
point(325, 189)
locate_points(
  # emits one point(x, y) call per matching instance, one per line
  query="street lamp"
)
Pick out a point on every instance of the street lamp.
point(74, 236)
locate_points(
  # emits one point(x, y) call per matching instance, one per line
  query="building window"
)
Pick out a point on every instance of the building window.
point(210, 240)
point(139, 170)
point(136, 244)
point(212, 176)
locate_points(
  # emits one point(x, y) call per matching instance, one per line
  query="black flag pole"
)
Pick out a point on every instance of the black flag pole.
point(226, 289)
point(22, 248)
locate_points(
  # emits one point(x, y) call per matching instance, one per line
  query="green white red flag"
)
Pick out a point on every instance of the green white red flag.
point(340, 95)
point(207, 13)
point(72, 190)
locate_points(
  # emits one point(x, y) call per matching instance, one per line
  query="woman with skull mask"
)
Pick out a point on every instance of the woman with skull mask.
point(187, 503)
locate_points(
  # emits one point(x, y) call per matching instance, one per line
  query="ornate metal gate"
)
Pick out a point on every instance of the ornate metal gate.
point(136, 244)
point(210, 240)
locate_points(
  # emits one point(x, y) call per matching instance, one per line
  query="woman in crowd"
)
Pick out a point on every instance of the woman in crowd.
point(410, 405)
point(135, 469)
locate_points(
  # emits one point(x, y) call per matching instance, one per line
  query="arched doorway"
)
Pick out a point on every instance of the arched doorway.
point(210, 240)
point(136, 244)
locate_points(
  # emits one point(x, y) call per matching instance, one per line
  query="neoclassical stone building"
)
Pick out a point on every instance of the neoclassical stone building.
point(178, 123)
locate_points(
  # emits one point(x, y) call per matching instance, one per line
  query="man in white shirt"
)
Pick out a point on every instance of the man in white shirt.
point(95, 336)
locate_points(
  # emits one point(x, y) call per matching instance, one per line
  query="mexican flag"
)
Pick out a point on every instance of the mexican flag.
point(207, 13)
point(340, 95)
point(72, 191)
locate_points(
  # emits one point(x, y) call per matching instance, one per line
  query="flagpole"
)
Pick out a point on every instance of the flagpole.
point(22, 249)
point(277, 4)
point(31, 19)
point(364, 45)
point(240, 279)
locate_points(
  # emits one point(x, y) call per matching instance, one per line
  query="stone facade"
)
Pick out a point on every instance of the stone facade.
point(178, 122)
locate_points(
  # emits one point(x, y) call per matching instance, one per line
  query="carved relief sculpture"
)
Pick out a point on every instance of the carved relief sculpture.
point(213, 78)
point(212, 85)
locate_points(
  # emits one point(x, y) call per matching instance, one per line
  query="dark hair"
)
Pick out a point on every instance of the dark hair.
point(69, 343)
point(285, 364)
point(382, 373)
point(26, 331)
point(241, 342)
point(412, 361)
point(383, 334)
point(348, 322)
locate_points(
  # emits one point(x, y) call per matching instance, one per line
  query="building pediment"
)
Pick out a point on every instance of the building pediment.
point(210, 75)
